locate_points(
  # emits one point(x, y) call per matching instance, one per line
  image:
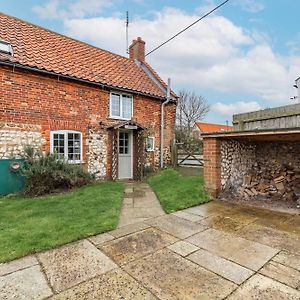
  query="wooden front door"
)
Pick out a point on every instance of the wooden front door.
point(125, 154)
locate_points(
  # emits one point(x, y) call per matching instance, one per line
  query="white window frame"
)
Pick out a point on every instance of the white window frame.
point(6, 47)
point(153, 147)
point(121, 106)
point(65, 133)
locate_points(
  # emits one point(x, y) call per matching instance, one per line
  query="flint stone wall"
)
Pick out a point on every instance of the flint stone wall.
point(152, 158)
point(14, 137)
point(241, 158)
point(237, 158)
point(97, 153)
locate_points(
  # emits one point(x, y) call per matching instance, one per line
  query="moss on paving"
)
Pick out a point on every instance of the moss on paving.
point(29, 225)
point(176, 192)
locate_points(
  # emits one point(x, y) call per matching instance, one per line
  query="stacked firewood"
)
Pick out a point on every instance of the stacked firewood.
point(281, 183)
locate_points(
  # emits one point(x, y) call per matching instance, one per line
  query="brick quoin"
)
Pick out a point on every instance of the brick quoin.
point(212, 165)
point(56, 104)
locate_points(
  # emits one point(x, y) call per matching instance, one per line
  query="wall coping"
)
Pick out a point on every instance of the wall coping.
point(253, 133)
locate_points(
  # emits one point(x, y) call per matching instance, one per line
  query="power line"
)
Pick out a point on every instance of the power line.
point(186, 28)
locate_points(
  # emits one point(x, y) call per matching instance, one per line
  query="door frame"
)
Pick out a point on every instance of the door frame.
point(131, 152)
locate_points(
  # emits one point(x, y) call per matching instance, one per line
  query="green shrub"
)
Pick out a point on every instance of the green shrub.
point(148, 170)
point(47, 174)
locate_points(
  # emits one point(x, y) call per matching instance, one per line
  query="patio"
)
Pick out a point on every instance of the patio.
point(214, 251)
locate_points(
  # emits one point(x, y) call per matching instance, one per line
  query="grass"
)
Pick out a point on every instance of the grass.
point(29, 225)
point(190, 171)
point(176, 192)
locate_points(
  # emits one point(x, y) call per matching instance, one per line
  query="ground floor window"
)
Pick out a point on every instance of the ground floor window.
point(150, 144)
point(67, 145)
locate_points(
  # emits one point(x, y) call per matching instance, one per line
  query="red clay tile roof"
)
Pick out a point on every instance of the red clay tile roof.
point(40, 48)
point(208, 127)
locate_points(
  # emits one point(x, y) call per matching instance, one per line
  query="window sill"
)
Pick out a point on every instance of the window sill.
point(76, 162)
point(119, 118)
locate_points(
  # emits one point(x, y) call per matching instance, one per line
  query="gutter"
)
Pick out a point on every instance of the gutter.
point(162, 123)
point(251, 133)
point(59, 76)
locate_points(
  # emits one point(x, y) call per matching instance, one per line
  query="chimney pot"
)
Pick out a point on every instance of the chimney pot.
point(137, 50)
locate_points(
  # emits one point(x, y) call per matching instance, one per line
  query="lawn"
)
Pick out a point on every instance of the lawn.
point(176, 192)
point(29, 225)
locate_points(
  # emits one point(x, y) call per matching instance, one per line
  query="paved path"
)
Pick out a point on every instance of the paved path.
point(213, 251)
point(139, 204)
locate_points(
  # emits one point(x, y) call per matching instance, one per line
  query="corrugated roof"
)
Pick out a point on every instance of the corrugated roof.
point(210, 127)
point(39, 48)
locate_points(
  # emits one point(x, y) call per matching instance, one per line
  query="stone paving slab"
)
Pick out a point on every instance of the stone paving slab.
point(115, 284)
point(137, 245)
point(24, 284)
point(188, 216)
point(208, 209)
point(226, 223)
point(221, 266)
point(125, 230)
point(71, 264)
point(144, 212)
point(140, 203)
point(101, 238)
point(288, 259)
point(18, 264)
point(176, 226)
point(294, 223)
point(260, 213)
point(148, 200)
point(272, 237)
point(177, 258)
point(247, 253)
point(183, 248)
point(282, 274)
point(128, 190)
point(126, 220)
point(284, 223)
point(178, 278)
point(128, 202)
point(261, 287)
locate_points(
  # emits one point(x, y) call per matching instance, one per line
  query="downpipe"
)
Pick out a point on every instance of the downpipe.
point(162, 123)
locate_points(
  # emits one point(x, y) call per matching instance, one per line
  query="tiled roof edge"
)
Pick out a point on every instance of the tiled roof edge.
point(156, 78)
point(62, 35)
point(86, 81)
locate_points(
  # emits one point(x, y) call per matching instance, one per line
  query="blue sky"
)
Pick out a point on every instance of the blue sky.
point(244, 57)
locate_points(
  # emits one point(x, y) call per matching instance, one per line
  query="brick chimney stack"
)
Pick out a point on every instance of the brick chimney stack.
point(137, 50)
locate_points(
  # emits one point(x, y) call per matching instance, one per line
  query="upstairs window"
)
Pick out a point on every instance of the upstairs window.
point(6, 48)
point(67, 145)
point(121, 106)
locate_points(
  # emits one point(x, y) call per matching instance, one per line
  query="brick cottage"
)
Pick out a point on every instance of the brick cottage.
point(88, 105)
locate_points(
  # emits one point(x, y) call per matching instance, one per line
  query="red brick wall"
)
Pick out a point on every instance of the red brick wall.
point(137, 50)
point(28, 98)
point(212, 165)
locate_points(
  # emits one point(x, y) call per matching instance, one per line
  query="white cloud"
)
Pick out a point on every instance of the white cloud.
point(47, 11)
point(206, 6)
point(215, 54)
point(227, 110)
point(63, 9)
point(252, 6)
